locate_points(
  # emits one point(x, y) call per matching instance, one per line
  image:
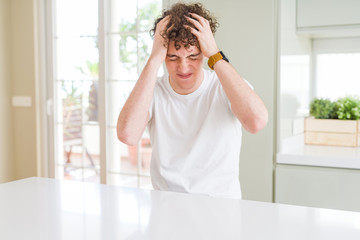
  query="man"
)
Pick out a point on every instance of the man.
point(194, 115)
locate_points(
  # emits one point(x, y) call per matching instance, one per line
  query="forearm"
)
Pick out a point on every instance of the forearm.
point(133, 117)
point(246, 105)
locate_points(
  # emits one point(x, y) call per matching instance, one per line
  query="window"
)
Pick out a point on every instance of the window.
point(294, 92)
point(88, 34)
point(294, 88)
point(337, 75)
point(337, 67)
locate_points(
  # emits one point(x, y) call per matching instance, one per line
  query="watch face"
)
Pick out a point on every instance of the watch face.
point(224, 57)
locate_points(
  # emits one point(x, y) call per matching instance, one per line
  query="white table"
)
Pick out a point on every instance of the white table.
point(39, 208)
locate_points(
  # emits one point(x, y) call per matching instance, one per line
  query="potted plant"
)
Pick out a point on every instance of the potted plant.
point(334, 123)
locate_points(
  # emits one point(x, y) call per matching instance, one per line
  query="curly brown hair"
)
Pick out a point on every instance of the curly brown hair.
point(178, 33)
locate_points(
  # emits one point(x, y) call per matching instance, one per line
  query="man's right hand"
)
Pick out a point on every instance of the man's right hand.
point(159, 50)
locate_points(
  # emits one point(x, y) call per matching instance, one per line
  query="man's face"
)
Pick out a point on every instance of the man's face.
point(185, 68)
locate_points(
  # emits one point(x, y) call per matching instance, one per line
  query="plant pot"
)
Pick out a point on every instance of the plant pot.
point(332, 132)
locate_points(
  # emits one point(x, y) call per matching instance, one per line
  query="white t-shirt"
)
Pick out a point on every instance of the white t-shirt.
point(196, 140)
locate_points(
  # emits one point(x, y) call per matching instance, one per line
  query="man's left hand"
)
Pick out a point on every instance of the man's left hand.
point(204, 34)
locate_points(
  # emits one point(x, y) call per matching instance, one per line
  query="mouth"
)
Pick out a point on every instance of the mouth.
point(184, 76)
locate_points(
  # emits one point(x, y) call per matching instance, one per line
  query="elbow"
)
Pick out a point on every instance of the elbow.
point(258, 126)
point(258, 123)
point(126, 137)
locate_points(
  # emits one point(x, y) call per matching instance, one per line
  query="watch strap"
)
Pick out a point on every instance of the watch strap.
point(216, 57)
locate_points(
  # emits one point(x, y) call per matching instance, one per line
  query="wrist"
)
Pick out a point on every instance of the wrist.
point(215, 58)
point(213, 52)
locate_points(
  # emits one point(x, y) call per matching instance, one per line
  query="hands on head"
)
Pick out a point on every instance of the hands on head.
point(185, 28)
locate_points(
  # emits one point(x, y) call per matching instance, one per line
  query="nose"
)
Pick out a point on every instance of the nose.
point(182, 66)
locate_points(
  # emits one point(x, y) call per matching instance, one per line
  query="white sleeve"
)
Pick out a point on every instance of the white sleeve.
point(251, 86)
point(153, 98)
point(151, 109)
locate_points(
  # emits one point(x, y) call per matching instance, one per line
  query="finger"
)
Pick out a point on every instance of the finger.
point(170, 28)
point(166, 18)
point(198, 17)
point(192, 30)
point(163, 23)
point(194, 22)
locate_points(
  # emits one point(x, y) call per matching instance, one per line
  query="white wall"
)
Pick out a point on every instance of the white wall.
point(18, 138)
point(6, 158)
point(247, 35)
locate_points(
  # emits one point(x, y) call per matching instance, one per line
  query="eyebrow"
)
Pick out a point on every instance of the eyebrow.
point(171, 55)
point(191, 55)
point(194, 55)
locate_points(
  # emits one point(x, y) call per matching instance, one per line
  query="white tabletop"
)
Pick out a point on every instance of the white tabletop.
point(47, 209)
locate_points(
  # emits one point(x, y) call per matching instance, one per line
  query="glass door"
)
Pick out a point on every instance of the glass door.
point(76, 79)
point(99, 50)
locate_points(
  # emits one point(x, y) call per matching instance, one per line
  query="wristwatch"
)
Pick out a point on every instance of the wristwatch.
point(216, 57)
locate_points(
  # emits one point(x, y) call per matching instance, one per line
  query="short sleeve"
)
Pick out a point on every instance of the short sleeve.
point(156, 90)
point(251, 86)
point(151, 109)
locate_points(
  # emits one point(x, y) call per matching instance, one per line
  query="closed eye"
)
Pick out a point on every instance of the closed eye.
point(194, 56)
point(173, 57)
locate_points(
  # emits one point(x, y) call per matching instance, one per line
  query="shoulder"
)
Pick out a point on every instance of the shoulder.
point(162, 87)
point(212, 80)
point(215, 88)
point(210, 75)
point(160, 83)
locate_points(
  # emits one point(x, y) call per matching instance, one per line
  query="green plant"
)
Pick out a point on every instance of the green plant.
point(348, 108)
point(322, 108)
